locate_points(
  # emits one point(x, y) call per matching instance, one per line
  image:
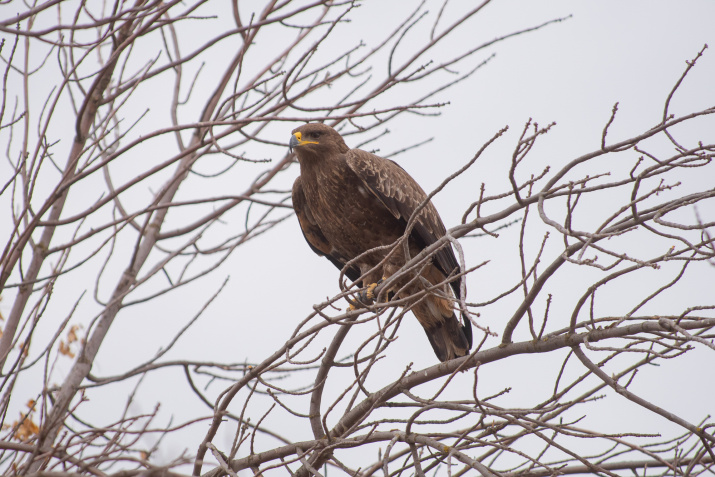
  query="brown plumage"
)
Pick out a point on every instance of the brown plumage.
point(349, 201)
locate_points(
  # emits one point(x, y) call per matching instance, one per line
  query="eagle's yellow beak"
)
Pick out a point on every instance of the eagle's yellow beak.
point(297, 140)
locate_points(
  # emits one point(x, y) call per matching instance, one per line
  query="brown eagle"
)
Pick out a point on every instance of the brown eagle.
point(350, 201)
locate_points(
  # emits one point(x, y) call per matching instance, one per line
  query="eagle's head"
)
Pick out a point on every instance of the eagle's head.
point(316, 140)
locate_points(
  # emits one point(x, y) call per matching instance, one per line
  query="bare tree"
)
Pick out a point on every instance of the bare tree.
point(176, 111)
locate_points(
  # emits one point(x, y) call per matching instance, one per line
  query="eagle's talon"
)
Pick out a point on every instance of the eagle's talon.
point(370, 292)
point(368, 296)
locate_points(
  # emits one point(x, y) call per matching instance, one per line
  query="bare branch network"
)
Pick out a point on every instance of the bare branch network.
point(177, 114)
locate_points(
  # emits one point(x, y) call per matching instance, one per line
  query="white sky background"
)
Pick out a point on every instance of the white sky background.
point(572, 73)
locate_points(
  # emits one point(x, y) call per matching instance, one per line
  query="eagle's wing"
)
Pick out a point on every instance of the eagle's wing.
point(312, 233)
point(399, 192)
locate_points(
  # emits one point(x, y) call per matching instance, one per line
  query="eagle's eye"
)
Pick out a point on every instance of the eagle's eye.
point(315, 135)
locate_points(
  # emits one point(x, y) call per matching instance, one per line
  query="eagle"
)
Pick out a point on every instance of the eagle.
point(349, 202)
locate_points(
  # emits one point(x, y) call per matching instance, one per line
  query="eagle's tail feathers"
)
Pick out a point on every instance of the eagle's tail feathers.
point(467, 330)
point(449, 339)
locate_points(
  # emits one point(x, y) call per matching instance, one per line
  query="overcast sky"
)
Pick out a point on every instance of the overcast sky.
point(571, 73)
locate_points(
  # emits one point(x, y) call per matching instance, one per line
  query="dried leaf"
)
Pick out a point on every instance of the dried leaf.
point(72, 334)
point(27, 429)
point(65, 349)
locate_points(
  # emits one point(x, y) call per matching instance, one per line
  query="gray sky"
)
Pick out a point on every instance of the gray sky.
point(570, 73)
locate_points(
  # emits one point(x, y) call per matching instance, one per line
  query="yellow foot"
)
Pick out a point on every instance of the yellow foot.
point(368, 296)
point(370, 292)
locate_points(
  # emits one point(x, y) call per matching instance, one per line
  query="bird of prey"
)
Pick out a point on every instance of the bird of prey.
point(349, 202)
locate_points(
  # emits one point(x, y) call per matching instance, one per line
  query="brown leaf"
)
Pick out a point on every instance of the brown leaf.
point(27, 429)
point(65, 349)
point(72, 334)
